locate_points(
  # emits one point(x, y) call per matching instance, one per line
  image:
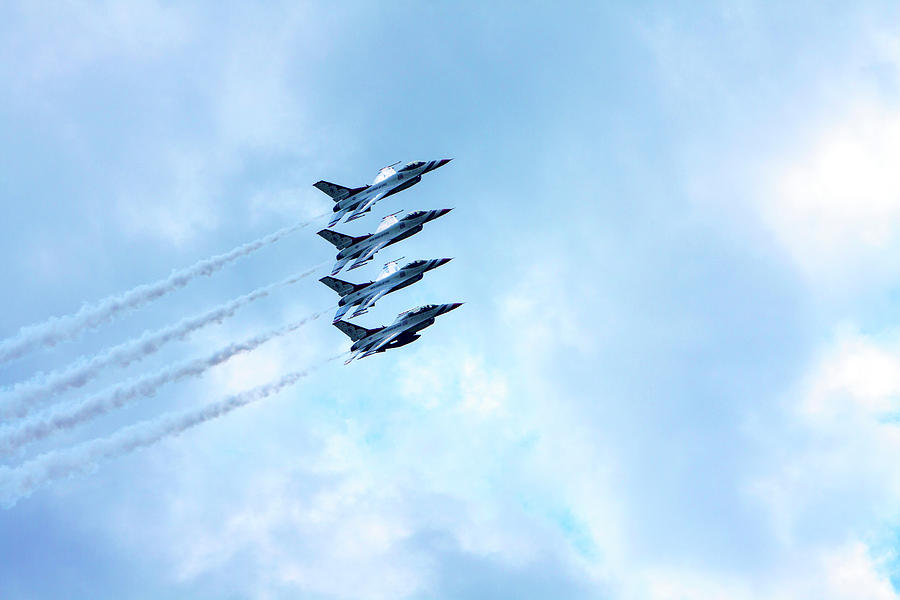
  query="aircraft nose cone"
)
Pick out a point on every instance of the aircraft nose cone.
point(437, 164)
point(444, 261)
point(454, 306)
point(442, 212)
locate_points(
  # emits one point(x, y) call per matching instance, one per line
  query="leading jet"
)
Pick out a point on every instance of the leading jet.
point(399, 333)
point(357, 201)
point(390, 231)
point(392, 278)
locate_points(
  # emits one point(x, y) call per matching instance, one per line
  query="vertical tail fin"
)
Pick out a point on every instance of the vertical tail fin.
point(337, 192)
point(354, 332)
point(338, 240)
point(341, 287)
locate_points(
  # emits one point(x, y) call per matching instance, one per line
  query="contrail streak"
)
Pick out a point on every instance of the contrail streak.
point(58, 329)
point(19, 482)
point(19, 399)
point(69, 415)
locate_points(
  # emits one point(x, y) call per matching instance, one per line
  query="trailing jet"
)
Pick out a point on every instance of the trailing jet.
point(399, 333)
point(357, 201)
point(391, 279)
point(390, 231)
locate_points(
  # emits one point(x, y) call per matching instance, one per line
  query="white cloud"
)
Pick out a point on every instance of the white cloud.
point(845, 572)
point(293, 204)
point(346, 516)
point(463, 384)
point(57, 40)
point(509, 457)
point(833, 482)
point(178, 110)
point(250, 106)
point(850, 572)
point(836, 208)
point(481, 392)
point(846, 438)
point(858, 378)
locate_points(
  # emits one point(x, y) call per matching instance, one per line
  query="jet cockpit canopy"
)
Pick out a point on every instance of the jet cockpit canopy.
point(386, 222)
point(384, 174)
point(413, 165)
point(416, 311)
point(389, 269)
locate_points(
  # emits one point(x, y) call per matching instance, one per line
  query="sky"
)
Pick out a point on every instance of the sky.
point(676, 233)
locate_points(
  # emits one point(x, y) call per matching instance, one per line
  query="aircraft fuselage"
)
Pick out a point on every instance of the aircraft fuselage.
point(389, 182)
point(408, 323)
point(409, 225)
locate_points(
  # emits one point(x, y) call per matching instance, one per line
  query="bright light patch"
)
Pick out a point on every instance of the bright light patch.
point(838, 206)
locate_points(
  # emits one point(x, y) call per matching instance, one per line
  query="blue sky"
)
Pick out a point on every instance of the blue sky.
point(676, 231)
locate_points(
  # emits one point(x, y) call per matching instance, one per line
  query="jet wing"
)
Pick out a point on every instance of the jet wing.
point(342, 287)
point(382, 343)
point(366, 205)
point(367, 255)
point(369, 303)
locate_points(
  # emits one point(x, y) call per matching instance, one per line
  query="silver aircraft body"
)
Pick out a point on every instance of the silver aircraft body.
point(401, 332)
point(357, 201)
point(362, 249)
point(392, 278)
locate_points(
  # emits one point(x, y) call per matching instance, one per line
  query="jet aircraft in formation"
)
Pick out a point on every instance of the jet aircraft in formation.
point(358, 201)
point(390, 231)
point(362, 249)
point(399, 333)
point(392, 278)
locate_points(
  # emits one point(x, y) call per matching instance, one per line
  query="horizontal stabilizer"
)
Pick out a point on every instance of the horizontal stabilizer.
point(337, 192)
point(354, 332)
point(341, 311)
point(338, 265)
point(360, 263)
point(340, 240)
point(337, 217)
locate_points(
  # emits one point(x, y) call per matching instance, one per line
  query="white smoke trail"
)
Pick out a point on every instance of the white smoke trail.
point(19, 399)
point(58, 329)
point(19, 482)
point(69, 415)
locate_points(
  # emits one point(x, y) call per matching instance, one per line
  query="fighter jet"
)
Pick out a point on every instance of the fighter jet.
point(357, 201)
point(390, 231)
point(391, 279)
point(399, 333)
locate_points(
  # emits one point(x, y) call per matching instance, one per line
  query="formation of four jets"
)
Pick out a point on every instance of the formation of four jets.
point(355, 202)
